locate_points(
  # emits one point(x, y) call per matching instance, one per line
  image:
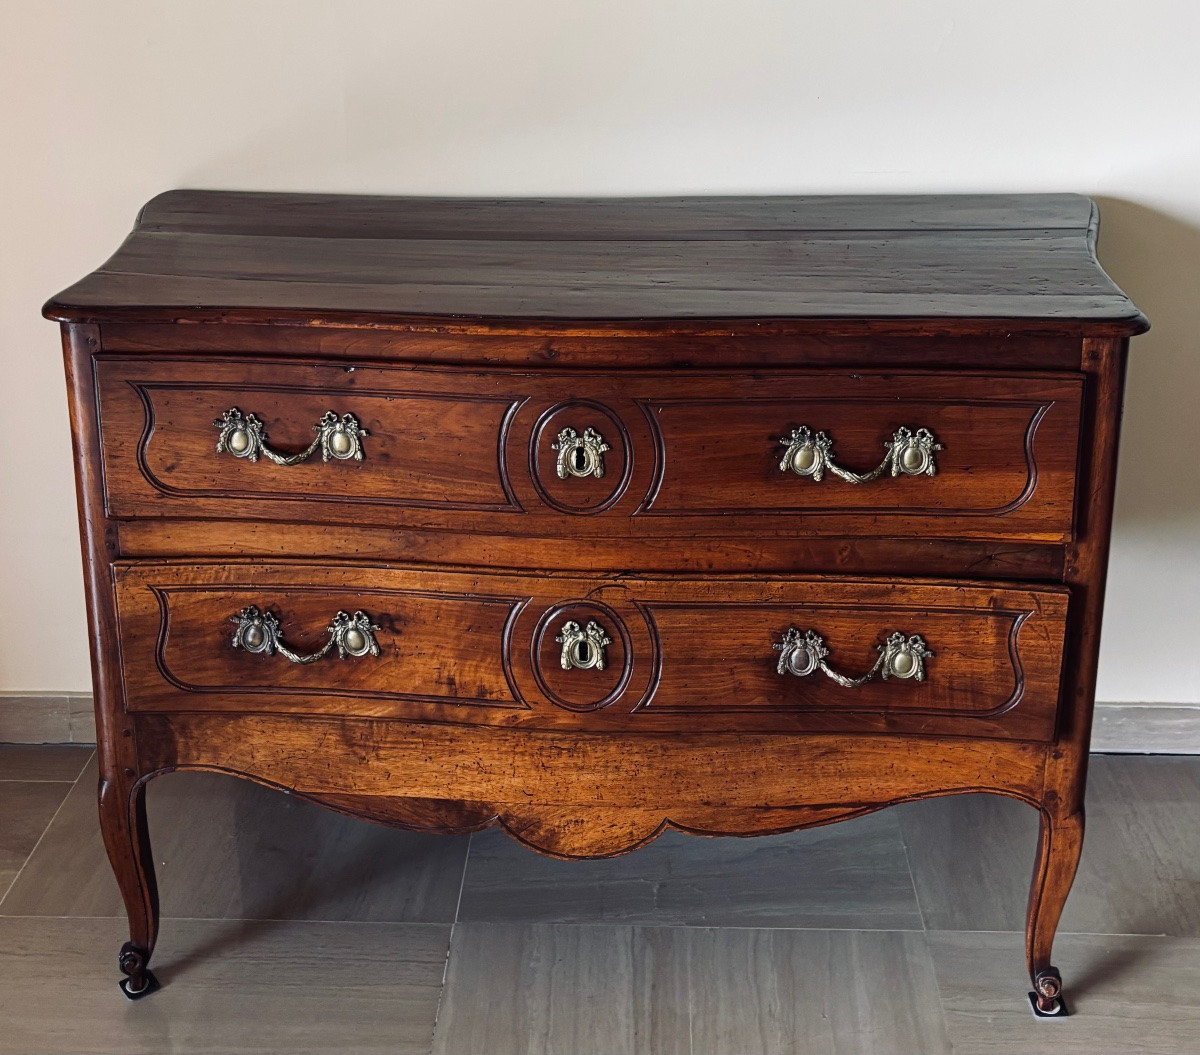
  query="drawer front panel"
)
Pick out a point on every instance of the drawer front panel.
point(986, 466)
point(420, 449)
point(548, 453)
point(563, 652)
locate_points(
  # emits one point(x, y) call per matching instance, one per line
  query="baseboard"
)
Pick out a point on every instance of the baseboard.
point(1119, 728)
point(1146, 729)
point(47, 718)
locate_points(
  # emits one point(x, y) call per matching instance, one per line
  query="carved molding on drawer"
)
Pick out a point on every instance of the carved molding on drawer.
point(233, 671)
point(581, 493)
point(570, 686)
point(355, 486)
point(836, 502)
point(806, 696)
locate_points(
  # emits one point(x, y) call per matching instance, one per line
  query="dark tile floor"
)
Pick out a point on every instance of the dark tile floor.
point(291, 929)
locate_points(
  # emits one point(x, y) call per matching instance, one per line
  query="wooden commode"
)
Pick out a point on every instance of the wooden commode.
point(593, 517)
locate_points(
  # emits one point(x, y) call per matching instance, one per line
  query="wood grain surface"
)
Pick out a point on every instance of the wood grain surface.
point(195, 254)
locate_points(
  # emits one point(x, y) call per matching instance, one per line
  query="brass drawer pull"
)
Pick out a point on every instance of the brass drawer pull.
point(352, 635)
point(243, 436)
point(802, 652)
point(909, 453)
point(580, 455)
point(583, 649)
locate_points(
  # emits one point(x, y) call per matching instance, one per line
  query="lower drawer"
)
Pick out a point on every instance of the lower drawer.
point(557, 651)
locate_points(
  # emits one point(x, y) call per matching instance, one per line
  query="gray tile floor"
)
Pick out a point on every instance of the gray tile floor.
point(291, 929)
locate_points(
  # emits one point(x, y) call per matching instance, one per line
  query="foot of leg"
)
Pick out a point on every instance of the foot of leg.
point(139, 980)
point(1046, 998)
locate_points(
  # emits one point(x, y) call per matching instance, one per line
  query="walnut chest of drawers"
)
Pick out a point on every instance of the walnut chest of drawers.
point(592, 517)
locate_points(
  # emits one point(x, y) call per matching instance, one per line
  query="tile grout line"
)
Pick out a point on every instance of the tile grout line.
point(29, 857)
point(691, 984)
point(941, 1003)
point(943, 1010)
point(663, 926)
point(928, 948)
point(912, 878)
point(321, 922)
point(462, 883)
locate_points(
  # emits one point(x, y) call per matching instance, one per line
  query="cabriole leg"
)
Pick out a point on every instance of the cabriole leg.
point(127, 839)
point(1059, 847)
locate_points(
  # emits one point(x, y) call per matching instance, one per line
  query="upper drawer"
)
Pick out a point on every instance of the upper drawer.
point(550, 452)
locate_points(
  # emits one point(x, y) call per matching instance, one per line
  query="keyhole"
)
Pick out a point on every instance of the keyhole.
point(583, 654)
point(580, 458)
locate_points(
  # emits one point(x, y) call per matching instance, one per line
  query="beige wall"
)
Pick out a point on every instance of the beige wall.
point(105, 104)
